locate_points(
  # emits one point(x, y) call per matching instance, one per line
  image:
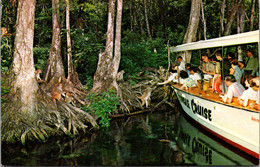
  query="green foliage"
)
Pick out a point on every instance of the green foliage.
point(133, 79)
point(4, 90)
point(6, 53)
point(85, 49)
point(138, 53)
point(88, 80)
point(41, 55)
point(101, 105)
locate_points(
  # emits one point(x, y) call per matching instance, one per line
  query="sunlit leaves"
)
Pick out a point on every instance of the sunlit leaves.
point(102, 105)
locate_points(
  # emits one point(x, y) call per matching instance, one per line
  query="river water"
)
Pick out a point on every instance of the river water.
point(161, 138)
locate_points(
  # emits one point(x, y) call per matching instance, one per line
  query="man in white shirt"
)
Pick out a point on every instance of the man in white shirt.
point(181, 67)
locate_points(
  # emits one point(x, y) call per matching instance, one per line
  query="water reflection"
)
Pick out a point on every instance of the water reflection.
point(162, 138)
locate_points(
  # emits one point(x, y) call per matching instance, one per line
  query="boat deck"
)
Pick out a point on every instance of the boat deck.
point(209, 95)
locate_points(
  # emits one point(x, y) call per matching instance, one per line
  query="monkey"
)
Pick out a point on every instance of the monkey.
point(56, 92)
point(161, 70)
point(37, 74)
point(146, 96)
point(119, 76)
point(4, 32)
point(69, 99)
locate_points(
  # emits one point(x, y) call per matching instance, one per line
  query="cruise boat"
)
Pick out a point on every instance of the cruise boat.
point(236, 125)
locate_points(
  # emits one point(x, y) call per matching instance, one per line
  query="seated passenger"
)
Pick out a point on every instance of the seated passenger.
point(250, 93)
point(235, 89)
point(217, 84)
point(235, 70)
point(195, 74)
point(172, 78)
point(256, 80)
point(217, 81)
point(187, 82)
point(256, 104)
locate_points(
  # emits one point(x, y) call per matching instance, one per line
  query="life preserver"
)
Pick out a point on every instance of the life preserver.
point(217, 84)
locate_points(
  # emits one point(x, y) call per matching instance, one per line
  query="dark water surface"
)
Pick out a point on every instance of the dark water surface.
point(161, 138)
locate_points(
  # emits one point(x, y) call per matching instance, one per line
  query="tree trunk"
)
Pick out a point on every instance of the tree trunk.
point(227, 9)
point(230, 19)
point(72, 74)
point(222, 13)
point(140, 19)
point(20, 105)
point(162, 12)
point(103, 76)
point(117, 56)
point(190, 35)
point(131, 15)
point(54, 67)
point(29, 112)
point(252, 15)
point(241, 18)
point(107, 69)
point(147, 21)
point(204, 21)
point(69, 54)
point(22, 71)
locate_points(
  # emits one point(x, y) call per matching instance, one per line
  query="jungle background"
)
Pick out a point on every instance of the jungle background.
point(168, 21)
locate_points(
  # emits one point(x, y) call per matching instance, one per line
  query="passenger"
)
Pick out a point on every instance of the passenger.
point(180, 67)
point(182, 64)
point(217, 81)
point(235, 89)
point(187, 81)
point(226, 62)
point(235, 70)
point(209, 68)
point(172, 78)
point(251, 65)
point(256, 104)
point(230, 56)
point(203, 55)
point(195, 74)
point(251, 93)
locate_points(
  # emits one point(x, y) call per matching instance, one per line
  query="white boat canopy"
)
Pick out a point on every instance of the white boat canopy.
point(237, 39)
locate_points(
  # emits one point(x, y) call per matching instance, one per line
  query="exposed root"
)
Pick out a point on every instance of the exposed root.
point(161, 95)
point(43, 120)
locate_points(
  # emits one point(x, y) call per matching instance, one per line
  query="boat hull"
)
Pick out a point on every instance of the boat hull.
point(236, 126)
point(204, 149)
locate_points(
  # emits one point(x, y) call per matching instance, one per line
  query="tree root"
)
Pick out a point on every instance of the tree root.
point(128, 94)
point(129, 114)
point(43, 120)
